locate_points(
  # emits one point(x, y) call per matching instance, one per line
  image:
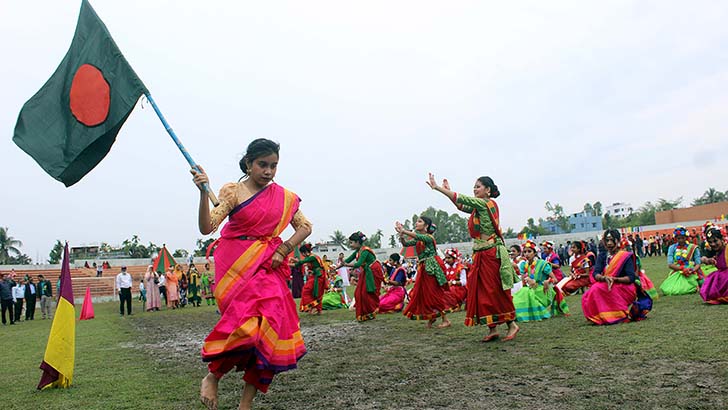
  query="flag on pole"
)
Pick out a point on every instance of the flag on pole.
point(60, 352)
point(68, 126)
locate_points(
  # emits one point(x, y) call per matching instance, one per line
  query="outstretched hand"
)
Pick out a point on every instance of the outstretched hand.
point(431, 181)
point(398, 227)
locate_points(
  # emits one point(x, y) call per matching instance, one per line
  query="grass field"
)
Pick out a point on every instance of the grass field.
point(677, 358)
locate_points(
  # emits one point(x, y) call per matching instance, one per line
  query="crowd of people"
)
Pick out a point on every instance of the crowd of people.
point(20, 295)
point(176, 288)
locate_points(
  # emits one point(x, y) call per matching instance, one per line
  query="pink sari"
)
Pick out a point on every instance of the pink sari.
point(603, 306)
point(258, 331)
point(393, 300)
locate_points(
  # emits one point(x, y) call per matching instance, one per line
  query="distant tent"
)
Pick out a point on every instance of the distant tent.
point(164, 261)
point(408, 252)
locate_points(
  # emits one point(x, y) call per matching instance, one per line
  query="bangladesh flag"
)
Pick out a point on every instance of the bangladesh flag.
point(68, 126)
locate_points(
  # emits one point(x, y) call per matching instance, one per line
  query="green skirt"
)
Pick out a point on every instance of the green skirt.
point(332, 301)
point(535, 304)
point(678, 284)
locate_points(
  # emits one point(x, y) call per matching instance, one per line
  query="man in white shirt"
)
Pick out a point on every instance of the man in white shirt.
point(18, 296)
point(163, 288)
point(123, 288)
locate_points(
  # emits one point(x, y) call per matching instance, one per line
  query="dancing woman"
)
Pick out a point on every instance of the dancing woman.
point(490, 278)
point(258, 331)
point(427, 298)
point(313, 290)
point(369, 282)
point(614, 297)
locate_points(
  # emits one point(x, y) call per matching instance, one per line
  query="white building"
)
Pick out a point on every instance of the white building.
point(619, 210)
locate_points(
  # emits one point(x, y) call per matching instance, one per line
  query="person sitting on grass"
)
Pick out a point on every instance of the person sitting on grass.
point(393, 299)
point(538, 299)
point(614, 297)
point(684, 259)
point(715, 287)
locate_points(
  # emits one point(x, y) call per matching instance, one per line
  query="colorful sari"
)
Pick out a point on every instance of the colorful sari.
point(581, 267)
point(715, 287)
point(258, 331)
point(552, 257)
point(491, 275)
point(393, 300)
point(172, 288)
point(625, 302)
point(541, 301)
point(368, 284)
point(457, 292)
point(313, 291)
point(679, 282)
point(427, 297)
point(334, 298)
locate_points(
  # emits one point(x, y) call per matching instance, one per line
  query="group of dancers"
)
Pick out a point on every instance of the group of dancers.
point(259, 332)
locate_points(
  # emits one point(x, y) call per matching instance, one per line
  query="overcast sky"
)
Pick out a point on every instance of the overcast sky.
point(570, 102)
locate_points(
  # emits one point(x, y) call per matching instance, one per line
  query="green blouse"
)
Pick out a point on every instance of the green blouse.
point(427, 256)
point(364, 258)
point(317, 271)
point(484, 225)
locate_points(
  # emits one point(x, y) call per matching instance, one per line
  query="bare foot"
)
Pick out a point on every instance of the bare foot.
point(429, 323)
point(444, 325)
point(208, 391)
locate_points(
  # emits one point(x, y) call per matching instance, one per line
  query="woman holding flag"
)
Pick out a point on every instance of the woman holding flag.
point(258, 331)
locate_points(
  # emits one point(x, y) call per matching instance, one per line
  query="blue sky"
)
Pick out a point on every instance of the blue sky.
point(568, 102)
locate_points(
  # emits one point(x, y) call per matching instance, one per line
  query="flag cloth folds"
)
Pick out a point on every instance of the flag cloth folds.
point(87, 309)
point(59, 356)
point(164, 261)
point(68, 126)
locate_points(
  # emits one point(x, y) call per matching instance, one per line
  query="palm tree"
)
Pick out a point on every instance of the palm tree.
point(339, 238)
point(8, 246)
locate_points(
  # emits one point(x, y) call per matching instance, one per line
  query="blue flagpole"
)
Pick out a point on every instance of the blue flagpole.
point(181, 147)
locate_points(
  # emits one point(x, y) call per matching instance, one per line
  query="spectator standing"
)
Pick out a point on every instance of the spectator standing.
point(18, 297)
point(30, 295)
point(45, 292)
point(6, 297)
point(163, 287)
point(99, 270)
point(123, 287)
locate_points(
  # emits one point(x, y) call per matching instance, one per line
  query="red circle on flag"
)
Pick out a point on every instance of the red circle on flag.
point(90, 97)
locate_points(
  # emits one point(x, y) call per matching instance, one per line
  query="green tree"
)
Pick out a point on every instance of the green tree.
point(374, 241)
point(134, 248)
point(710, 196)
point(392, 241)
point(589, 209)
point(8, 246)
point(21, 259)
point(510, 234)
point(202, 246)
point(666, 204)
point(562, 221)
point(451, 228)
point(56, 253)
point(180, 253)
point(531, 229)
point(339, 239)
point(597, 208)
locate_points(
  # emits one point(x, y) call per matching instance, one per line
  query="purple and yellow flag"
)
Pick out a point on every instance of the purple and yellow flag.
point(60, 352)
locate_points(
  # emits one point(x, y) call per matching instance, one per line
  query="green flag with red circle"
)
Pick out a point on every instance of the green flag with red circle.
point(70, 124)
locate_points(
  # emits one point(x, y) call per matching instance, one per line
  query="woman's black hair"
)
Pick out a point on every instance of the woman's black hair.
point(488, 182)
point(260, 147)
point(615, 234)
point(305, 248)
point(358, 236)
point(713, 232)
point(394, 257)
point(518, 247)
point(431, 227)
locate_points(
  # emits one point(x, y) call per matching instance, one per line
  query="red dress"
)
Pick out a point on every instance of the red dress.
point(456, 294)
point(427, 297)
